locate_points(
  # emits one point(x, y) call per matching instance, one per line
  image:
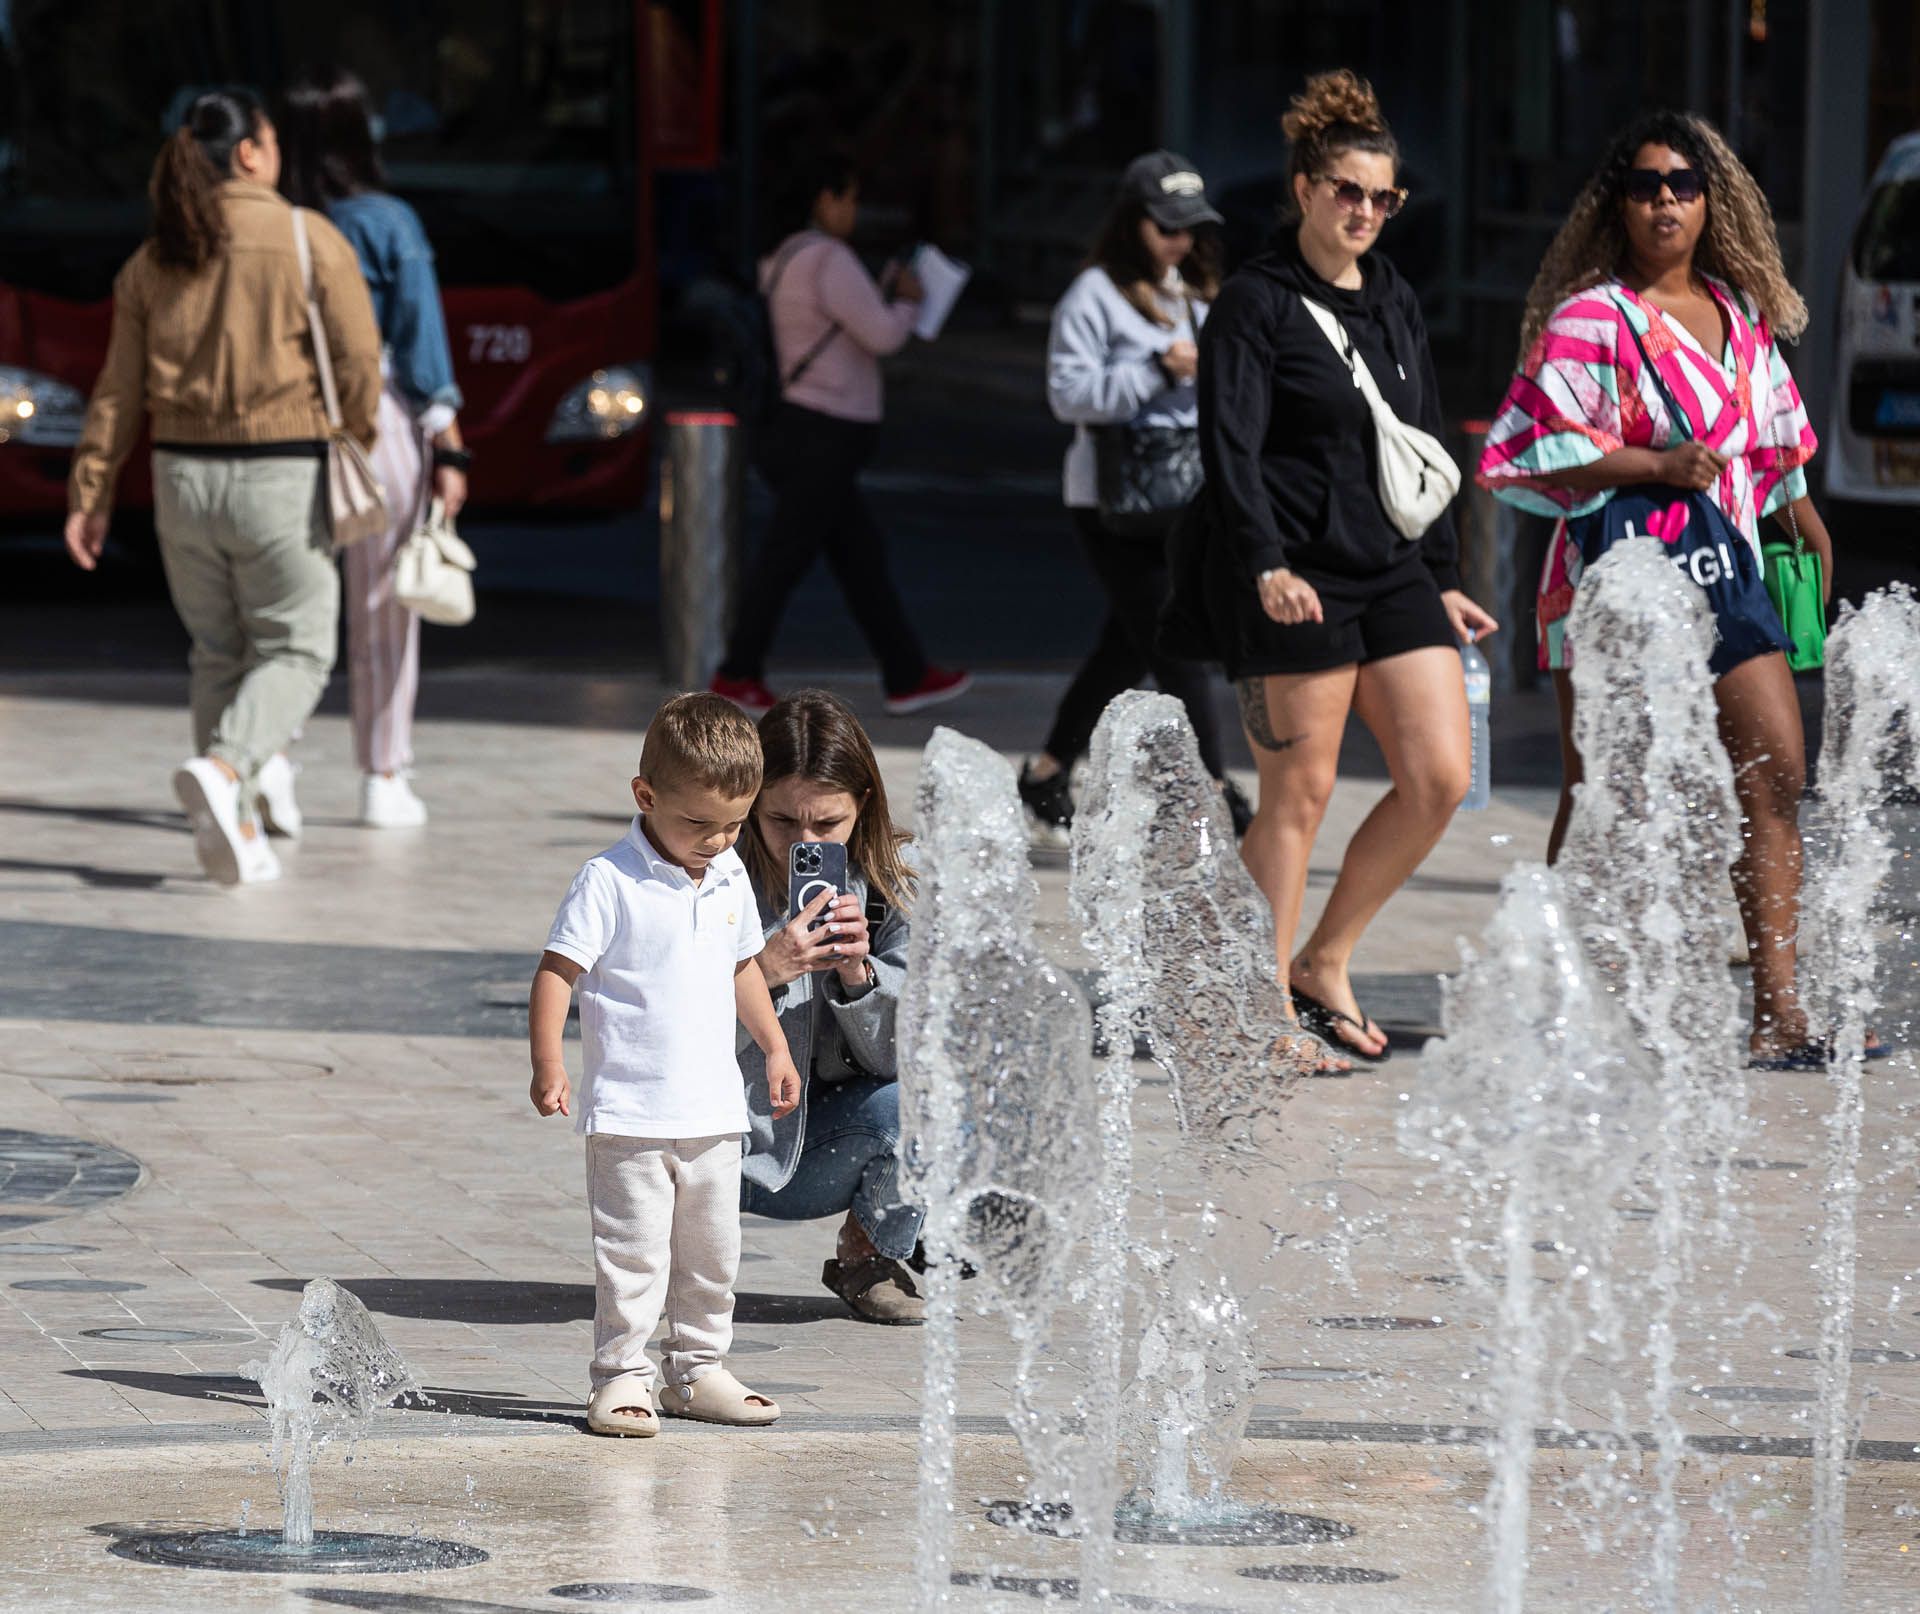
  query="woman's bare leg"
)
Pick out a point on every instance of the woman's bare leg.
point(1760, 727)
point(1416, 706)
point(1294, 725)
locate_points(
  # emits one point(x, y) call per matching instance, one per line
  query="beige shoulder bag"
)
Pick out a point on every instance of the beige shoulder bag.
point(356, 502)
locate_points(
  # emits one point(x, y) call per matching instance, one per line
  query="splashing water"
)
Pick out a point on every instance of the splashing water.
point(331, 1349)
point(1872, 712)
point(1530, 1108)
point(1188, 943)
point(1629, 1031)
point(1655, 830)
point(1000, 1135)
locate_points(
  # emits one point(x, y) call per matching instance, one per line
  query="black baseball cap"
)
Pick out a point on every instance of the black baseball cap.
point(1170, 189)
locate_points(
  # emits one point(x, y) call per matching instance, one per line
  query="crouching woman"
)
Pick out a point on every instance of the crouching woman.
point(836, 989)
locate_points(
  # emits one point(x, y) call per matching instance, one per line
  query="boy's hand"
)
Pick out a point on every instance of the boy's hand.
point(783, 1084)
point(551, 1090)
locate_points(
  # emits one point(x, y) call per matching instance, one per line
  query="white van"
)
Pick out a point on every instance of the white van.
point(1873, 440)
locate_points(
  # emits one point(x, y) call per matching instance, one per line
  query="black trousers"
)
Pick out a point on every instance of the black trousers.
point(1133, 574)
point(813, 462)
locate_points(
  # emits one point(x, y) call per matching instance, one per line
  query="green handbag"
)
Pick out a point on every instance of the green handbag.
point(1799, 594)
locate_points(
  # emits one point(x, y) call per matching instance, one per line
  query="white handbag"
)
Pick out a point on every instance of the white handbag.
point(433, 571)
point(356, 502)
point(1418, 478)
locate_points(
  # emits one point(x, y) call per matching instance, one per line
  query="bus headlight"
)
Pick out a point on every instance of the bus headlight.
point(37, 409)
point(609, 403)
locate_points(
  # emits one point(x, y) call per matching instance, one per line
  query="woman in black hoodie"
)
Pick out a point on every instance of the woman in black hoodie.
point(1289, 570)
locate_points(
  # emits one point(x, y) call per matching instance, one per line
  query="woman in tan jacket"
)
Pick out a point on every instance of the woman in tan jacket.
point(210, 342)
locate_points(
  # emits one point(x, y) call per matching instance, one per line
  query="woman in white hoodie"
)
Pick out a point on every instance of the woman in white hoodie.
point(1122, 354)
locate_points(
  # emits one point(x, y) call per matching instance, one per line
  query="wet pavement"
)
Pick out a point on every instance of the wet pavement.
point(210, 1097)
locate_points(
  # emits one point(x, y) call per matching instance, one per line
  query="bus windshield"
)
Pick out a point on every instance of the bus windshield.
point(1889, 244)
point(509, 124)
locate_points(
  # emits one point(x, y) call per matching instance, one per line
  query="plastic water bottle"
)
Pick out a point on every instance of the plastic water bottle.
point(1480, 713)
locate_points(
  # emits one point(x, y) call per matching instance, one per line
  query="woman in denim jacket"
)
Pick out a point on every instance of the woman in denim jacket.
point(327, 133)
point(837, 990)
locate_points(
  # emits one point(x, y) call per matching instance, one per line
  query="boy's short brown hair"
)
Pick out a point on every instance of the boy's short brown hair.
point(705, 741)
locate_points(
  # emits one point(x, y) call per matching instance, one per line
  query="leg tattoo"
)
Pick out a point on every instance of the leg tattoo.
point(1254, 715)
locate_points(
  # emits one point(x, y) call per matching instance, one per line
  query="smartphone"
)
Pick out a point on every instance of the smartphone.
point(813, 867)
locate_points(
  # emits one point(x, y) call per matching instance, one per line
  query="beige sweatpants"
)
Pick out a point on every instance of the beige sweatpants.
point(250, 566)
point(666, 1237)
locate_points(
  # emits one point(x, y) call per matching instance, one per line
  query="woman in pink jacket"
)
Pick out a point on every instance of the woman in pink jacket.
point(832, 324)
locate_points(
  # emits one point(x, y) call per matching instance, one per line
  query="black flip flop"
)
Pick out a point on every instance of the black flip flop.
point(1804, 1056)
point(1321, 1020)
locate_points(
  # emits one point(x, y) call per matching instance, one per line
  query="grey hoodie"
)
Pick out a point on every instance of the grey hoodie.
point(831, 1034)
point(1103, 369)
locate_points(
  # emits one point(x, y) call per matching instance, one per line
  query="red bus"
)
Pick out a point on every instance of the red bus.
point(526, 132)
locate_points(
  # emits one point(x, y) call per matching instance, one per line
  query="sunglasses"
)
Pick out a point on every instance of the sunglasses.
point(1644, 185)
point(1353, 197)
point(1169, 231)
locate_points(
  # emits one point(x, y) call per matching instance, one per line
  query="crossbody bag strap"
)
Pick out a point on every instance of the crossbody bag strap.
point(779, 268)
point(316, 328)
point(1675, 414)
point(1343, 344)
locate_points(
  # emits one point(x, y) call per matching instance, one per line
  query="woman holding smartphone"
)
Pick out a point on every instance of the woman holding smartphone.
point(835, 971)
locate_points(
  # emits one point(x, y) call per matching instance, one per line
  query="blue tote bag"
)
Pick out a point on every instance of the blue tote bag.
point(1708, 548)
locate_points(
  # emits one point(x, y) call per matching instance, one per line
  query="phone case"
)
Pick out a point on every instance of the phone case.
point(811, 867)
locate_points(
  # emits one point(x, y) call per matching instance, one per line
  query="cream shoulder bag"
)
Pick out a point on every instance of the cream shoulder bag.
point(356, 502)
point(433, 571)
point(1418, 478)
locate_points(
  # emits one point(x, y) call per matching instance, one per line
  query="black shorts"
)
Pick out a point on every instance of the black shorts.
point(1366, 619)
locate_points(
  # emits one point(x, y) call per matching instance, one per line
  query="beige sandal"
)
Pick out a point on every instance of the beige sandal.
point(717, 1397)
point(623, 1406)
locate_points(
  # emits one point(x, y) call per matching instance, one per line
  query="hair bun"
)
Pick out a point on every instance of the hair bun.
point(1330, 100)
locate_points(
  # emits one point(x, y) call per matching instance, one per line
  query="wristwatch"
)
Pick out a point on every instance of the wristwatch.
point(454, 459)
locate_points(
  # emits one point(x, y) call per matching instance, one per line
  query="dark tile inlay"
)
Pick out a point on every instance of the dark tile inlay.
point(77, 1286)
point(1755, 1392)
point(164, 1336)
point(121, 1098)
point(1379, 1325)
point(27, 1247)
point(1317, 1574)
point(1320, 1375)
point(1879, 1355)
point(629, 1591)
point(333, 1552)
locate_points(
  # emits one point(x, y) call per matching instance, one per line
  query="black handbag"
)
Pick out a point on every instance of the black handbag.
point(1144, 476)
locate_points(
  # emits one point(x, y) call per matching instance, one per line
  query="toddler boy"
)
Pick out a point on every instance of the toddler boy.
point(664, 929)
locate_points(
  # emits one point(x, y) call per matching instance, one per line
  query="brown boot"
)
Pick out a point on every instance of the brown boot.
point(879, 1289)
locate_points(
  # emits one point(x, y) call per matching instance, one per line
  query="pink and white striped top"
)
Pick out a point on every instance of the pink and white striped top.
point(1582, 393)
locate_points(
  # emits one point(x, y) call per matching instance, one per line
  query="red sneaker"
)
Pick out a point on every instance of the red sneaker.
point(749, 694)
point(940, 684)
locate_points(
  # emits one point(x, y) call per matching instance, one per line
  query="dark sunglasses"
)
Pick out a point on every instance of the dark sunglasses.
point(1352, 197)
point(1645, 185)
point(1168, 231)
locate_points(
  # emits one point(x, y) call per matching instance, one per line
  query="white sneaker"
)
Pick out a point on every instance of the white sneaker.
point(211, 800)
point(273, 795)
point(387, 801)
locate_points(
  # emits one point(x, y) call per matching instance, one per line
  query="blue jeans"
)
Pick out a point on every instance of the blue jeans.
point(848, 1162)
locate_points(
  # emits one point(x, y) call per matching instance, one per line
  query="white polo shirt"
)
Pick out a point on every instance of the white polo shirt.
point(656, 1003)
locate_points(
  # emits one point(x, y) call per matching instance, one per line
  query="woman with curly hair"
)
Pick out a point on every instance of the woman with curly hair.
point(1664, 293)
point(1290, 569)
